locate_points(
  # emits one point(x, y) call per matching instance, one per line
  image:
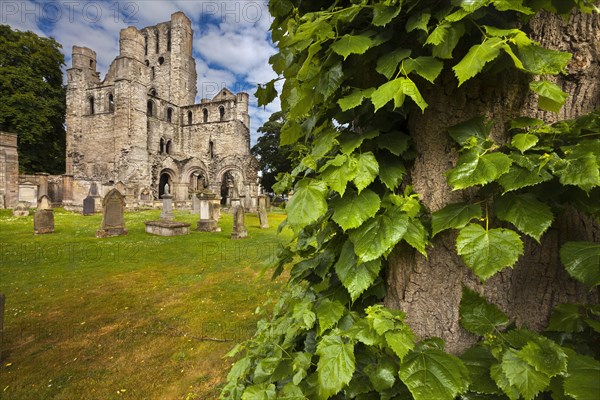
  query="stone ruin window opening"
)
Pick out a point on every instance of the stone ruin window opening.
point(161, 146)
point(161, 60)
point(91, 105)
point(211, 149)
point(221, 113)
point(205, 115)
point(150, 110)
point(169, 114)
point(152, 74)
point(146, 45)
point(197, 182)
point(157, 42)
point(111, 103)
point(147, 63)
point(152, 92)
point(168, 40)
point(189, 115)
point(92, 64)
point(228, 187)
point(165, 178)
point(169, 147)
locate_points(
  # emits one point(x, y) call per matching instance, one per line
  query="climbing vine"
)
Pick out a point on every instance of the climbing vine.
point(354, 71)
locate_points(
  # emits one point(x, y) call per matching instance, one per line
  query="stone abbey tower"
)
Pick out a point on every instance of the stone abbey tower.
point(139, 128)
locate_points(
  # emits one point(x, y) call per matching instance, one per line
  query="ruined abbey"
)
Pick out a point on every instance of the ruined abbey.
point(139, 129)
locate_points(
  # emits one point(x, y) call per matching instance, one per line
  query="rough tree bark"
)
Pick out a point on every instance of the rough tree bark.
point(429, 290)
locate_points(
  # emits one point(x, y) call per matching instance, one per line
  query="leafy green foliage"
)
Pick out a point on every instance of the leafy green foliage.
point(32, 99)
point(582, 261)
point(355, 72)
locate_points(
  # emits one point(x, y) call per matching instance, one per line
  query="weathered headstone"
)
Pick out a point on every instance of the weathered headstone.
point(89, 205)
point(167, 207)
point(44, 203)
point(113, 219)
point(120, 186)
point(239, 224)
point(262, 212)
point(206, 222)
point(21, 209)
point(195, 203)
point(43, 217)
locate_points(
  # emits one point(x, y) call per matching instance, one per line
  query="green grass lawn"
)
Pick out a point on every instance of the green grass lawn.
point(130, 317)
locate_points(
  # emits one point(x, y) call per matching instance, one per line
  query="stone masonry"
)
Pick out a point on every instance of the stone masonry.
point(9, 170)
point(140, 126)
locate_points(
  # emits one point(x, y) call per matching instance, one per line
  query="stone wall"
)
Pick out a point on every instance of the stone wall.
point(140, 125)
point(9, 170)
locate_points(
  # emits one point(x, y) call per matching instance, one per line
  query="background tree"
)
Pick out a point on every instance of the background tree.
point(32, 99)
point(446, 205)
point(273, 159)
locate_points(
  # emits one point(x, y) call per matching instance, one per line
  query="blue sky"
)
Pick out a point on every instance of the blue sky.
point(231, 40)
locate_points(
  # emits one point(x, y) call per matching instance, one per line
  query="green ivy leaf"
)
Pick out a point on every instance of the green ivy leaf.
point(451, 36)
point(263, 391)
point(427, 67)
point(350, 141)
point(479, 361)
point(388, 63)
point(329, 313)
point(291, 391)
point(579, 168)
point(432, 374)
point(330, 81)
point(527, 213)
point(355, 98)
point(379, 234)
point(476, 58)
point(478, 316)
point(476, 127)
point(416, 236)
point(566, 318)
point(382, 14)
point(582, 381)
point(473, 169)
point(355, 276)
point(395, 142)
point(551, 97)
point(336, 364)
point(308, 202)
point(502, 381)
point(351, 44)
point(386, 92)
point(409, 89)
point(337, 177)
point(582, 261)
point(391, 172)
point(545, 356)
point(266, 93)
point(353, 209)
point(400, 339)
point(514, 5)
point(439, 34)
point(518, 177)
point(291, 131)
point(524, 141)
point(366, 170)
point(540, 61)
point(382, 374)
point(418, 21)
point(454, 216)
point(488, 251)
point(523, 376)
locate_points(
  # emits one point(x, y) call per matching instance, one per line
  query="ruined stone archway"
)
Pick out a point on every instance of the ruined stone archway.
point(166, 176)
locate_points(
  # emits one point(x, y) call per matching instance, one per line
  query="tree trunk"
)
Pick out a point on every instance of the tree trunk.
point(429, 290)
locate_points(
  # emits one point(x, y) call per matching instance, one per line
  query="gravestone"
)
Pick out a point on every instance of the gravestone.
point(167, 207)
point(44, 203)
point(43, 218)
point(21, 209)
point(206, 222)
point(195, 203)
point(239, 224)
point(113, 220)
point(235, 202)
point(89, 205)
point(216, 211)
point(262, 212)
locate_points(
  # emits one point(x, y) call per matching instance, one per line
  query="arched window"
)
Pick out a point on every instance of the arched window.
point(157, 41)
point(221, 113)
point(92, 64)
point(169, 114)
point(169, 147)
point(111, 103)
point(146, 44)
point(205, 115)
point(91, 105)
point(150, 110)
point(189, 117)
point(211, 149)
point(152, 92)
point(161, 147)
point(168, 40)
